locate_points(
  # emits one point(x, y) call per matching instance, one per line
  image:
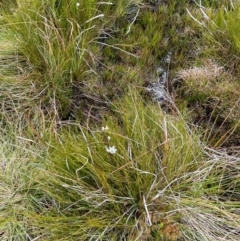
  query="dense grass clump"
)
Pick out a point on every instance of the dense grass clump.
point(56, 39)
point(142, 176)
point(64, 41)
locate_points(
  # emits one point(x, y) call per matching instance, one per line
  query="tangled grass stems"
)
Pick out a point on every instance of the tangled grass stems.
point(16, 187)
point(63, 43)
point(160, 183)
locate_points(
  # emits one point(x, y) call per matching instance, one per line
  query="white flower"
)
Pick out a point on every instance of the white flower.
point(109, 138)
point(105, 128)
point(77, 5)
point(111, 150)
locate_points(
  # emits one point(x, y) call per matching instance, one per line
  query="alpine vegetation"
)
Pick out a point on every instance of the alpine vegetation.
point(119, 120)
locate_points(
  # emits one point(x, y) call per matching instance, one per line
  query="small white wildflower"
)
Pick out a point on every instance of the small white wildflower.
point(111, 150)
point(105, 128)
point(109, 138)
point(77, 5)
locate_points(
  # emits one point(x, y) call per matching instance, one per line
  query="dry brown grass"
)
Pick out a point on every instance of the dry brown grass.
point(209, 71)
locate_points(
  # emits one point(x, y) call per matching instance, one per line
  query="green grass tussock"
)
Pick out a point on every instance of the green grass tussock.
point(56, 39)
point(63, 41)
point(144, 175)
